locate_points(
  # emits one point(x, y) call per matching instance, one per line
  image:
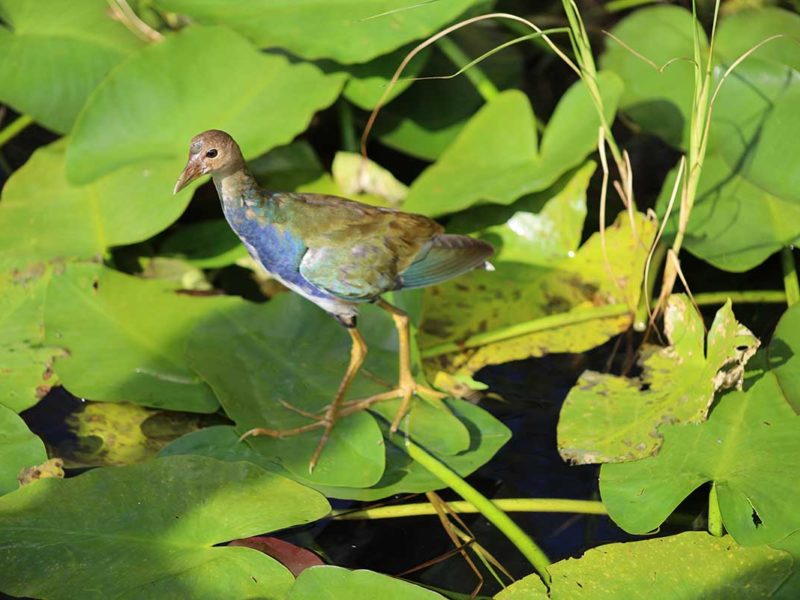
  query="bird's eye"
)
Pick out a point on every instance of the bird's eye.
point(211, 153)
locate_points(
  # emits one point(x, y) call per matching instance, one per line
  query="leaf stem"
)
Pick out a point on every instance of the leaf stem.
point(537, 505)
point(477, 77)
point(746, 297)
point(572, 317)
point(790, 282)
point(714, 514)
point(482, 504)
point(13, 128)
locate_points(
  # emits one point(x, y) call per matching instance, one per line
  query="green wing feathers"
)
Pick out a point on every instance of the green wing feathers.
point(447, 256)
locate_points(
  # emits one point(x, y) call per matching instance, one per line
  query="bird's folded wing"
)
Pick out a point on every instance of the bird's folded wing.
point(448, 256)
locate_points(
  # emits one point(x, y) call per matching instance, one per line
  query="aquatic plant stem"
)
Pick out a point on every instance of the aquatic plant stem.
point(549, 322)
point(13, 128)
point(538, 505)
point(477, 77)
point(714, 514)
point(746, 297)
point(790, 282)
point(484, 505)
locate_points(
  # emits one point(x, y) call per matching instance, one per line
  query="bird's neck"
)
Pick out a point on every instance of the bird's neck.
point(237, 188)
point(244, 202)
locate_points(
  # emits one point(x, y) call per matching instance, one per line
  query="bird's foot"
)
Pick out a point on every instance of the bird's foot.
point(326, 421)
point(406, 390)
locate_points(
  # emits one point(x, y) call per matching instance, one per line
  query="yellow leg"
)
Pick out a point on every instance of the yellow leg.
point(406, 386)
point(358, 352)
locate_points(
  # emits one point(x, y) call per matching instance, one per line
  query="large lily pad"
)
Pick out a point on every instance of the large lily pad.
point(344, 30)
point(607, 418)
point(680, 567)
point(55, 54)
point(749, 448)
point(20, 449)
point(26, 362)
point(546, 296)
point(783, 355)
point(125, 338)
point(368, 82)
point(335, 583)
point(657, 96)
point(43, 216)
point(735, 224)
point(147, 110)
point(151, 530)
point(748, 189)
point(428, 117)
point(496, 159)
point(401, 476)
point(257, 357)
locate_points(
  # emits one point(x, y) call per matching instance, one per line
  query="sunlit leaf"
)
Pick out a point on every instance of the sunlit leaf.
point(257, 357)
point(26, 361)
point(607, 418)
point(735, 224)
point(337, 583)
point(658, 93)
point(401, 476)
point(55, 54)
point(495, 158)
point(169, 95)
point(125, 338)
point(43, 216)
point(784, 356)
point(20, 449)
point(356, 176)
point(680, 567)
point(162, 520)
point(749, 448)
point(428, 117)
point(573, 300)
point(344, 30)
point(368, 82)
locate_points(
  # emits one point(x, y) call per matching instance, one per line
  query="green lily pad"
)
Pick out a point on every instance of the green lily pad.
point(749, 448)
point(257, 357)
point(143, 326)
point(54, 56)
point(367, 82)
point(784, 349)
point(357, 177)
point(687, 566)
point(756, 126)
point(43, 216)
point(606, 418)
point(546, 296)
point(20, 449)
point(151, 531)
point(344, 30)
point(657, 96)
point(401, 476)
point(741, 31)
point(335, 583)
point(496, 159)
point(735, 224)
point(26, 361)
point(426, 119)
point(121, 125)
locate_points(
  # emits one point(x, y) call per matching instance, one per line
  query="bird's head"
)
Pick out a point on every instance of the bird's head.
point(212, 151)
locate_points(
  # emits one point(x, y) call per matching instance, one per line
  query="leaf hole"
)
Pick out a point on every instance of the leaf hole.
point(644, 387)
point(756, 519)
